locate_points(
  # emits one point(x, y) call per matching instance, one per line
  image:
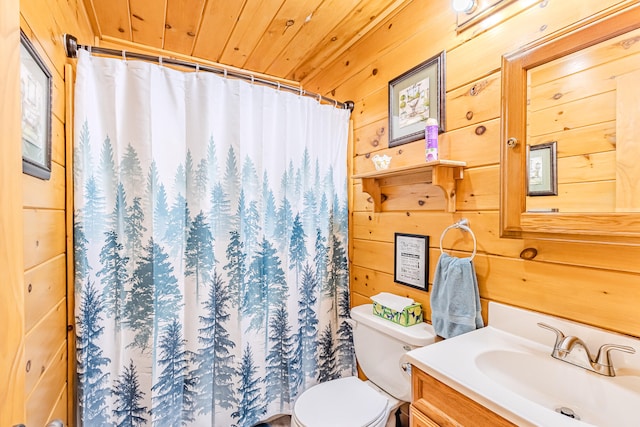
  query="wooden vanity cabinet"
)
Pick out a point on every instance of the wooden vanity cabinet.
point(436, 404)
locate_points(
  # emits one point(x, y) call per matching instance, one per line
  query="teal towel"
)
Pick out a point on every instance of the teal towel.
point(455, 301)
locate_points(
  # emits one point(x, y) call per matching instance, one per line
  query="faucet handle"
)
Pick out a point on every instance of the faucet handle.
point(559, 334)
point(603, 357)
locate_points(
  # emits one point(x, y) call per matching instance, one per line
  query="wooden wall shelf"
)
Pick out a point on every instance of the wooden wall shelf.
point(442, 173)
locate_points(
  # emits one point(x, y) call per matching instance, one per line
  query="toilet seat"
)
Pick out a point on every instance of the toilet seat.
point(345, 402)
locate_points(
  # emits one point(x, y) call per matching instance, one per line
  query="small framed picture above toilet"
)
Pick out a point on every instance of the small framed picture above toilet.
point(411, 260)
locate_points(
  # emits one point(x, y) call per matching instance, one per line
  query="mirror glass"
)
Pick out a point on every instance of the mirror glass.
point(570, 153)
point(588, 104)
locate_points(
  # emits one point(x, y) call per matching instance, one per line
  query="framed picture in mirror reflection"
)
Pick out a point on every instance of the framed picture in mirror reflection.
point(542, 169)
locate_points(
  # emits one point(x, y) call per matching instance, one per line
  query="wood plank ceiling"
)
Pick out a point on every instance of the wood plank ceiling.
point(290, 39)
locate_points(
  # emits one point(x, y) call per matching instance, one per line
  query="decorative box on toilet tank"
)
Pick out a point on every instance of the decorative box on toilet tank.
point(407, 317)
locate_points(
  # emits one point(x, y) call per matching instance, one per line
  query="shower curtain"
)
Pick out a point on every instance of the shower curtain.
point(210, 233)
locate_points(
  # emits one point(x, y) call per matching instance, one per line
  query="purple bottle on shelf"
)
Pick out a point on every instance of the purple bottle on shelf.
point(431, 140)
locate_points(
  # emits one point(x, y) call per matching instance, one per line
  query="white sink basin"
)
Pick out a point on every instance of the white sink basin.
point(507, 367)
point(555, 385)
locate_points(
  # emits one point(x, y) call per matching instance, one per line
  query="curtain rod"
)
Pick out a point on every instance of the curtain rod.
point(71, 47)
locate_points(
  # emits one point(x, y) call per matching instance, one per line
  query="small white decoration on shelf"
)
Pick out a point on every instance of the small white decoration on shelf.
point(381, 162)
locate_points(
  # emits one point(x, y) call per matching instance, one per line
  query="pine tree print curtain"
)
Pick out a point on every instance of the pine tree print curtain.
point(210, 240)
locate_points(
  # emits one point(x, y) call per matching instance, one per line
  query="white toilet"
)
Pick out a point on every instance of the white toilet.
point(380, 346)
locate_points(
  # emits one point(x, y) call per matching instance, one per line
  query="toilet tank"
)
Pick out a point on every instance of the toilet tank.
point(380, 346)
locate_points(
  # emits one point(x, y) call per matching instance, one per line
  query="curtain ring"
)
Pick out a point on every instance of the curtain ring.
point(225, 73)
point(124, 55)
point(335, 103)
point(89, 49)
point(160, 60)
point(301, 91)
point(319, 99)
point(278, 85)
point(252, 78)
point(197, 67)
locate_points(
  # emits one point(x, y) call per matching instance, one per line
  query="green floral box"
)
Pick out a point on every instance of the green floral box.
point(409, 316)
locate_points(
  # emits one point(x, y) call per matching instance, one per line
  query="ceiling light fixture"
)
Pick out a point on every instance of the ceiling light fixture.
point(466, 6)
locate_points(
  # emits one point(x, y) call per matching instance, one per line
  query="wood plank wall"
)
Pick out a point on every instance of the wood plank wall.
point(47, 386)
point(597, 284)
point(12, 377)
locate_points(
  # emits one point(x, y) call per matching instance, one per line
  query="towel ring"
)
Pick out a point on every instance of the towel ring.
point(463, 224)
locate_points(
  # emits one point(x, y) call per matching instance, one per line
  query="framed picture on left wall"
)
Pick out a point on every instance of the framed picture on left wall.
point(35, 92)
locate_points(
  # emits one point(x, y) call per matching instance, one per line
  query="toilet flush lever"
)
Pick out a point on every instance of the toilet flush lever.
point(406, 367)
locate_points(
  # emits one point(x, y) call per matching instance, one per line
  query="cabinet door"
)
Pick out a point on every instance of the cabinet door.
point(418, 419)
point(445, 406)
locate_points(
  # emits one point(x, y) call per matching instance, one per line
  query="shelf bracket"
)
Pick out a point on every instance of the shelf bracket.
point(372, 187)
point(446, 178)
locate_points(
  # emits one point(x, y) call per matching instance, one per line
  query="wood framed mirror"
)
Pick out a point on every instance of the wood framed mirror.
point(581, 90)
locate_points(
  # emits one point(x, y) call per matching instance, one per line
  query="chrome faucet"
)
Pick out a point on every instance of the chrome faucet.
point(600, 364)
